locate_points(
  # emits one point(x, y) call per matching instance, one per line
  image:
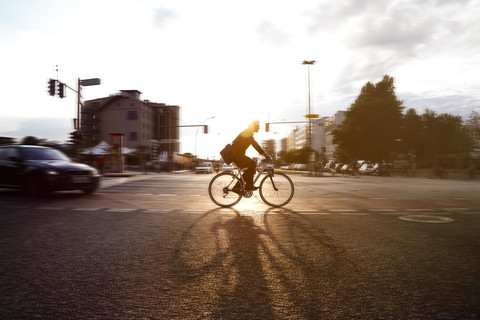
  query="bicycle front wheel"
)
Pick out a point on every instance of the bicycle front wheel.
point(220, 189)
point(276, 190)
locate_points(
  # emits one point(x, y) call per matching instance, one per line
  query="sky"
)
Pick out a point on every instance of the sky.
point(228, 62)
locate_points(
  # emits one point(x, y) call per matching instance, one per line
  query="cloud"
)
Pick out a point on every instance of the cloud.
point(271, 34)
point(44, 128)
point(455, 103)
point(162, 17)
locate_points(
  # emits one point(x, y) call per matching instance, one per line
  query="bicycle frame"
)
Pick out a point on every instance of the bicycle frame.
point(261, 168)
point(278, 191)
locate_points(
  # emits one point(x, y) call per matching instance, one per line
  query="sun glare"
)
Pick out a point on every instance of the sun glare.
point(223, 130)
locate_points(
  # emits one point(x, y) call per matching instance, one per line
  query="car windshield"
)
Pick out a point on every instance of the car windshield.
point(43, 154)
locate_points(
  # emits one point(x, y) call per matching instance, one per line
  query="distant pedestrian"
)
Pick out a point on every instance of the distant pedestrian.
point(100, 163)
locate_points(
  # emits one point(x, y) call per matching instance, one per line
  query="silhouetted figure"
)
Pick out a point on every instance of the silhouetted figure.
point(240, 145)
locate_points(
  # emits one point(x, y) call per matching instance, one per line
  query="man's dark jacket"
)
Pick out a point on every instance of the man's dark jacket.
point(243, 141)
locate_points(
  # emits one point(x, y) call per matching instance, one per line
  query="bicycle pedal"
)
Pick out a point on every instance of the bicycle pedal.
point(247, 194)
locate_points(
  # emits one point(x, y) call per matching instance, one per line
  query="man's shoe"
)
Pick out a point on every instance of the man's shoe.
point(252, 188)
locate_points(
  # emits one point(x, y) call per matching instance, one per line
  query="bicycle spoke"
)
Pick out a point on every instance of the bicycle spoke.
point(276, 190)
point(220, 190)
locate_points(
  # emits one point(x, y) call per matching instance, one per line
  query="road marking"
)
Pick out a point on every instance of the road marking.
point(343, 210)
point(354, 213)
point(155, 211)
point(312, 212)
point(425, 219)
point(121, 210)
point(392, 213)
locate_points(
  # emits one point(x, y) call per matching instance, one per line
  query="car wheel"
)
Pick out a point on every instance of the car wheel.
point(89, 190)
point(34, 185)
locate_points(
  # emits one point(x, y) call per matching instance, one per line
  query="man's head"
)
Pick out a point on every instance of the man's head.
point(254, 125)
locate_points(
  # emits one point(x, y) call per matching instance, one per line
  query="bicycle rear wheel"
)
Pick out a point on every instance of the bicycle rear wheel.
point(276, 190)
point(220, 189)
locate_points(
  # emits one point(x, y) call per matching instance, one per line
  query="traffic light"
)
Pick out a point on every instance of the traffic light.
point(267, 127)
point(205, 128)
point(61, 90)
point(75, 137)
point(51, 87)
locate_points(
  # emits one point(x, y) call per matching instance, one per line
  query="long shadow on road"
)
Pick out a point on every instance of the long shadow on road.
point(261, 266)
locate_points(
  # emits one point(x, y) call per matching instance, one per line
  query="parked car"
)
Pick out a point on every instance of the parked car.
point(40, 170)
point(381, 169)
point(227, 167)
point(366, 169)
point(300, 167)
point(204, 168)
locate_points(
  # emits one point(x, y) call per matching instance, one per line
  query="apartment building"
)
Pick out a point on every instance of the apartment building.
point(141, 122)
point(321, 134)
point(269, 147)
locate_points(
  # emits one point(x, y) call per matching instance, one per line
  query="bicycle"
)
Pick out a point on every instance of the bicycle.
point(276, 189)
point(438, 172)
point(349, 172)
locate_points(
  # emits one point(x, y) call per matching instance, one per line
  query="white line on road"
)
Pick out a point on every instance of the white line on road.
point(121, 210)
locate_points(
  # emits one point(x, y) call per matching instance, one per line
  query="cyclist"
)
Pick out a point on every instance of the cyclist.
point(353, 166)
point(240, 145)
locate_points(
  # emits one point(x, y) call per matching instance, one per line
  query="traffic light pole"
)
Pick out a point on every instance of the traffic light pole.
point(52, 83)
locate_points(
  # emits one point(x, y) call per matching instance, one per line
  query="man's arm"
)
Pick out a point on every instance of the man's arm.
point(259, 149)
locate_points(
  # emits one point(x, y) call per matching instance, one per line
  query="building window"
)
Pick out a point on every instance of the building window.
point(132, 136)
point(132, 115)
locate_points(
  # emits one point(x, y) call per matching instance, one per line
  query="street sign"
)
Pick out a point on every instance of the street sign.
point(90, 82)
point(312, 116)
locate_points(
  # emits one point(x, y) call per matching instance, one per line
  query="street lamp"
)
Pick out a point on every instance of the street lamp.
point(309, 115)
point(196, 133)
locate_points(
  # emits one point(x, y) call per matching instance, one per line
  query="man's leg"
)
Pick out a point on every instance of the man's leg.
point(245, 162)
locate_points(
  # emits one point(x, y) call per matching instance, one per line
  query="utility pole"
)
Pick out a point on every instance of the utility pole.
point(309, 115)
point(52, 90)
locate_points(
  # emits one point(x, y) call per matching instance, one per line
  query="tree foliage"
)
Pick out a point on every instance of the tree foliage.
point(430, 136)
point(372, 124)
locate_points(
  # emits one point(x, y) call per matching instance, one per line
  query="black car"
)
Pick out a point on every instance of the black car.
point(41, 170)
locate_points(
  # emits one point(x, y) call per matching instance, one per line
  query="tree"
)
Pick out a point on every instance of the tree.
point(412, 131)
point(435, 138)
point(31, 140)
point(372, 124)
point(473, 126)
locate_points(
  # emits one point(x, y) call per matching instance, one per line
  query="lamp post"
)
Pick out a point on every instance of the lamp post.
point(309, 115)
point(196, 133)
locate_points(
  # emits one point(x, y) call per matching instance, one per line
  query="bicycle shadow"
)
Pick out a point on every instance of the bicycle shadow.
point(256, 265)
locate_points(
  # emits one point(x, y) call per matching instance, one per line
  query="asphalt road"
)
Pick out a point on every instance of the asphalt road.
point(156, 247)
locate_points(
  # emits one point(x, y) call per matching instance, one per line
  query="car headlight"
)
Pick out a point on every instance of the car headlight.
point(52, 172)
point(94, 172)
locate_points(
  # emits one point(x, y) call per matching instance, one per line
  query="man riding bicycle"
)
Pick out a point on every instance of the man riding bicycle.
point(240, 145)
